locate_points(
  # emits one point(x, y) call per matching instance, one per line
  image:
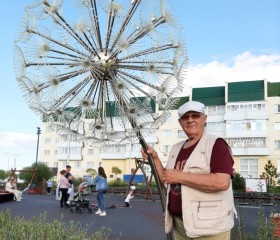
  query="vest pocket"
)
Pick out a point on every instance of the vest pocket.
point(207, 214)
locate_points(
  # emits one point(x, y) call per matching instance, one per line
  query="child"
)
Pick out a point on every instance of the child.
point(128, 198)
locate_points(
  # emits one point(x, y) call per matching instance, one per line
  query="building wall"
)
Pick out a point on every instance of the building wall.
point(217, 102)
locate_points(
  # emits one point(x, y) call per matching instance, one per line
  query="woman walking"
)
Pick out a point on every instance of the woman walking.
point(101, 187)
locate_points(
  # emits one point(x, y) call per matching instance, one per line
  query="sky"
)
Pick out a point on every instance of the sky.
point(227, 41)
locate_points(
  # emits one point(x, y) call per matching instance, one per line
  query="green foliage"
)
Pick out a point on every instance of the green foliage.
point(238, 182)
point(91, 172)
point(116, 170)
point(265, 228)
point(18, 228)
point(3, 174)
point(274, 190)
point(43, 172)
point(270, 173)
point(118, 183)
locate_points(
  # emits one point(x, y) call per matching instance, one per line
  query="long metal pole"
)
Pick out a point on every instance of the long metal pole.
point(38, 133)
point(161, 190)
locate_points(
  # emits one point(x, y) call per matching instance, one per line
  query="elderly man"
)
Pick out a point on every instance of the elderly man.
point(198, 173)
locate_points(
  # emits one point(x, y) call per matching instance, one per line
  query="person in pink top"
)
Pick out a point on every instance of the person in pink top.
point(63, 188)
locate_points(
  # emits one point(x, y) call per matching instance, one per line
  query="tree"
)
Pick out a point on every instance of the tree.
point(116, 171)
point(238, 182)
point(91, 172)
point(43, 172)
point(3, 174)
point(270, 173)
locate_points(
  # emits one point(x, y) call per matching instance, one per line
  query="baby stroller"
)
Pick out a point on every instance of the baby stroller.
point(80, 200)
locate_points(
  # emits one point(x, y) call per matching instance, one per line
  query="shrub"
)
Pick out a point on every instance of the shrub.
point(117, 183)
point(18, 228)
point(238, 182)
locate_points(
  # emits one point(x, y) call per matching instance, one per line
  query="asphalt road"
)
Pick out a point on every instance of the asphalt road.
point(144, 220)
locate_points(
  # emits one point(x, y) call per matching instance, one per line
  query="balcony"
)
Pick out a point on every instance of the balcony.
point(243, 115)
point(261, 151)
point(240, 134)
point(71, 157)
point(120, 155)
point(71, 151)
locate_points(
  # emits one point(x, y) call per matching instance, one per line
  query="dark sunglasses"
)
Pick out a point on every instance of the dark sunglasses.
point(191, 115)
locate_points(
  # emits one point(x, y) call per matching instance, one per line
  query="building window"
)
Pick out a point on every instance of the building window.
point(77, 164)
point(181, 134)
point(246, 107)
point(89, 164)
point(136, 147)
point(276, 108)
point(120, 148)
point(246, 142)
point(55, 164)
point(249, 167)
point(47, 152)
point(48, 129)
point(166, 133)
point(168, 119)
point(47, 140)
point(147, 169)
point(165, 149)
point(215, 110)
point(241, 126)
point(90, 152)
point(277, 126)
point(215, 126)
point(277, 144)
point(73, 150)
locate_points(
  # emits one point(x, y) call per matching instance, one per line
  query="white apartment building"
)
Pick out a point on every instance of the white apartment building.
point(246, 114)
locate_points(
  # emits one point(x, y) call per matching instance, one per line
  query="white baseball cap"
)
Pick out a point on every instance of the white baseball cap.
point(191, 106)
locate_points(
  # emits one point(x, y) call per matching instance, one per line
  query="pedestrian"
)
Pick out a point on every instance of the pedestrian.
point(63, 188)
point(128, 198)
point(100, 181)
point(69, 175)
point(70, 178)
point(49, 186)
point(12, 188)
point(199, 200)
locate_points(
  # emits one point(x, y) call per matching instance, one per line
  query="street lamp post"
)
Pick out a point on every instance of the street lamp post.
point(38, 133)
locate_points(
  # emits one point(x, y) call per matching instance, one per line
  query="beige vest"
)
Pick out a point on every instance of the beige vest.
point(204, 214)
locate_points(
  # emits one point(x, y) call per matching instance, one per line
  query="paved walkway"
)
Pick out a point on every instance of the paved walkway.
point(144, 220)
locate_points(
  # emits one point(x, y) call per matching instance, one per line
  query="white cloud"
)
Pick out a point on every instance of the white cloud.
point(17, 150)
point(243, 67)
point(17, 140)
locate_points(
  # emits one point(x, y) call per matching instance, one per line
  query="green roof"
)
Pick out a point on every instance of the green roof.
point(179, 101)
point(139, 101)
point(273, 89)
point(210, 96)
point(246, 91)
